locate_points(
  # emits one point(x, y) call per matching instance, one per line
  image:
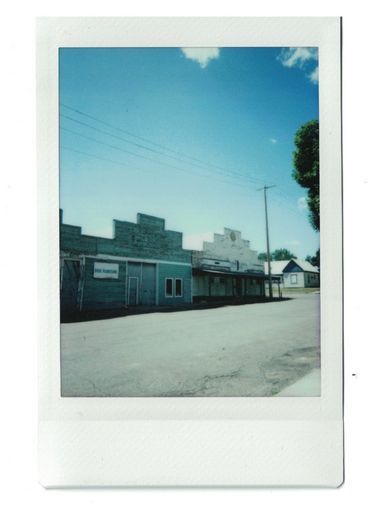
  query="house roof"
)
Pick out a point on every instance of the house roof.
point(279, 266)
point(306, 266)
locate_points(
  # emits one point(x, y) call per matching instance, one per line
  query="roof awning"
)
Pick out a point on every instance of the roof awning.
point(253, 275)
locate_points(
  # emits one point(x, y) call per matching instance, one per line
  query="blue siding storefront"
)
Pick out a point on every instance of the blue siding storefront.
point(181, 276)
point(142, 265)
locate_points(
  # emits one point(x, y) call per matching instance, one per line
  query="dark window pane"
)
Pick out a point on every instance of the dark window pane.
point(178, 287)
point(169, 287)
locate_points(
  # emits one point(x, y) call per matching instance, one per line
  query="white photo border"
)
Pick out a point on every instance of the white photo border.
point(286, 441)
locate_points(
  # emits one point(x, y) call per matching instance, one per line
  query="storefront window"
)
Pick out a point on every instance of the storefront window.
point(169, 287)
point(178, 287)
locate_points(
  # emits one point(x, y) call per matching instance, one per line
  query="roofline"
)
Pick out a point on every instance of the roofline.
point(228, 273)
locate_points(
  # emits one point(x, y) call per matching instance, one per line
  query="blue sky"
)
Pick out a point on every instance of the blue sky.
point(188, 135)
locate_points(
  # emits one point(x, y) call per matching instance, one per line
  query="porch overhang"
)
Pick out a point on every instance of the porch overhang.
point(197, 271)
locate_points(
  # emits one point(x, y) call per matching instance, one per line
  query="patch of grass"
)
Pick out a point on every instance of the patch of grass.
point(300, 290)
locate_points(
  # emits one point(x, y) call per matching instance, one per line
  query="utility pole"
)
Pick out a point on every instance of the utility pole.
point(264, 188)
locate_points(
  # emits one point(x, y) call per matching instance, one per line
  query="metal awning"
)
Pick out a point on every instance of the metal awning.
point(230, 274)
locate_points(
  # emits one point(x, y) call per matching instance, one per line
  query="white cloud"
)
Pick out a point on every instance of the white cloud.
point(273, 141)
point(201, 55)
point(291, 57)
point(302, 203)
point(195, 241)
point(314, 76)
point(301, 58)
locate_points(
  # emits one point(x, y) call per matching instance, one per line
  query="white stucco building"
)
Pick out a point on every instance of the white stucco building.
point(227, 267)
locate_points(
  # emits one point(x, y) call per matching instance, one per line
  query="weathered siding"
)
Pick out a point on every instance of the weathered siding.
point(137, 242)
point(311, 280)
point(294, 279)
point(102, 293)
point(70, 285)
point(145, 275)
point(168, 270)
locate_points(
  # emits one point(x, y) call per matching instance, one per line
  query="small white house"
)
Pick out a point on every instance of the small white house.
point(295, 273)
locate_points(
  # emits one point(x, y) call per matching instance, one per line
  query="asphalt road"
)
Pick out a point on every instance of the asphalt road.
point(248, 350)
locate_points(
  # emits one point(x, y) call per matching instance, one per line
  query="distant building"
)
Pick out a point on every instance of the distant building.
point(142, 265)
point(295, 273)
point(226, 269)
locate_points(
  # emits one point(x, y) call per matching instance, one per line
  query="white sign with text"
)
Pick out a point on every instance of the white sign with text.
point(106, 270)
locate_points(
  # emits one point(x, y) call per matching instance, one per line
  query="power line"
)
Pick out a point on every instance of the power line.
point(255, 179)
point(118, 137)
point(121, 163)
point(224, 172)
point(229, 174)
point(151, 160)
point(93, 156)
point(160, 163)
point(132, 153)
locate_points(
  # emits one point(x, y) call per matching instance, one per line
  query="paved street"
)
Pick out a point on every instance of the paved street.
point(248, 350)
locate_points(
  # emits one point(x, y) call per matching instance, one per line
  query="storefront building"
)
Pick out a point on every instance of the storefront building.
point(142, 265)
point(227, 269)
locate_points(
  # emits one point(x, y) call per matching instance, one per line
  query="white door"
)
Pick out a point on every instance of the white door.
point(133, 291)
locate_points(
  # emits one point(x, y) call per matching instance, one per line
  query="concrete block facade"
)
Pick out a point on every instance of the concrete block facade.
point(142, 265)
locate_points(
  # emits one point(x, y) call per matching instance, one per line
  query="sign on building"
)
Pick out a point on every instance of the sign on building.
point(106, 270)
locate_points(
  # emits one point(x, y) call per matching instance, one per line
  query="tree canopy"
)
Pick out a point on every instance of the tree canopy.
point(277, 255)
point(306, 166)
point(314, 260)
point(282, 254)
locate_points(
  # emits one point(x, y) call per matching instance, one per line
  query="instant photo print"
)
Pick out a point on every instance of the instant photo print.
point(190, 252)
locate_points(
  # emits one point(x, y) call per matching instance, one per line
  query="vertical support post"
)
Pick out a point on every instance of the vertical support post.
point(268, 246)
point(82, 276)
point(268, 241)
point(126, 283)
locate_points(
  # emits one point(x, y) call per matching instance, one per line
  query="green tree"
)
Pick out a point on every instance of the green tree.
point(282, 254)
point(314, 260)
point(306, 166)
point(278, 254)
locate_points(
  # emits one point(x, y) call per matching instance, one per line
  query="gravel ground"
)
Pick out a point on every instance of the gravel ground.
point(248, 350)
